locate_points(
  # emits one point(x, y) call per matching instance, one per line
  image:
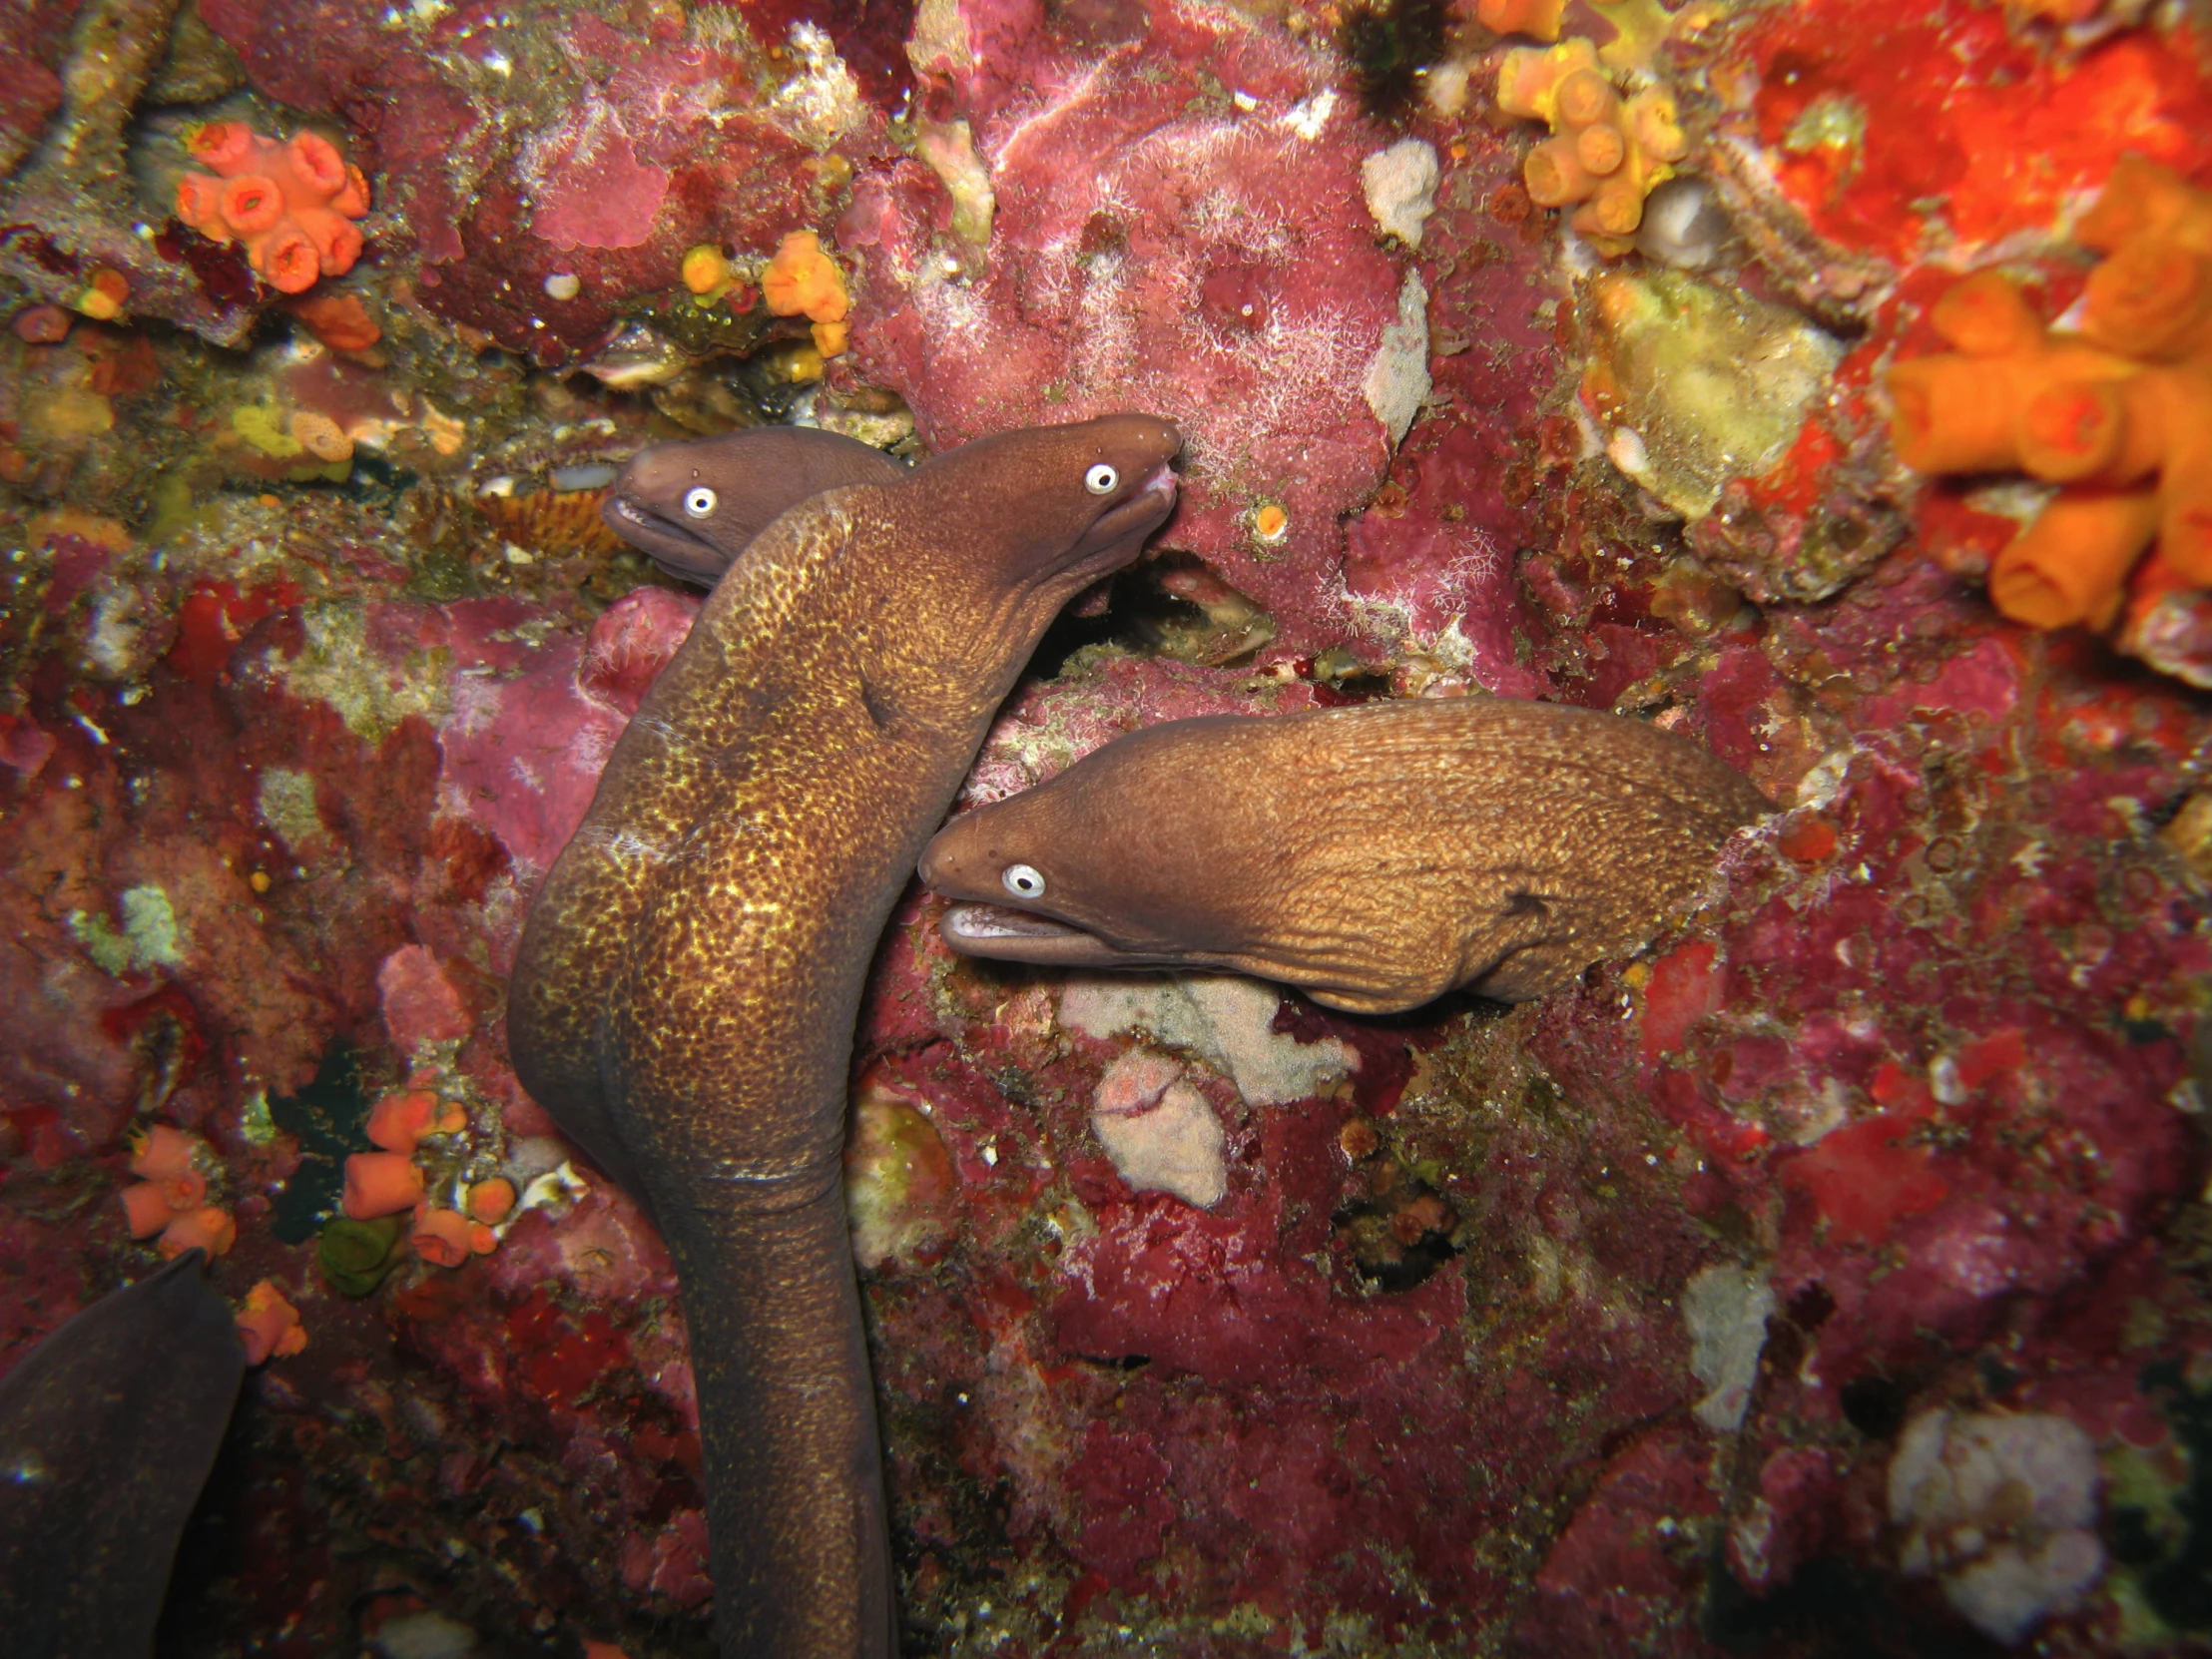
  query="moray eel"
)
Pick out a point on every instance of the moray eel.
point(684, 998)
point(693, 507)
point(108, 1429)
point(1376, 855)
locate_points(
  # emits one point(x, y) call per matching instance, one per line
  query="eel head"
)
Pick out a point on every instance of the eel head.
point(691, 507)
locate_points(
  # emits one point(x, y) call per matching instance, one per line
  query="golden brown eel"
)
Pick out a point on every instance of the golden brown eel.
point(684, 998)
point(1376, 856)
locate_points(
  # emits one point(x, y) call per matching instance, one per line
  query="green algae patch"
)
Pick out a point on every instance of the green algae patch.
point(354, 1255)
point(371, 694)
point(1696, 384)
point(149, 938)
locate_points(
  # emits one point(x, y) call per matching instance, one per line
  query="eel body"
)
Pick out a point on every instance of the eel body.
point(1376, 856)
point(684, 998)
point(693, 507)
point(108, 1429)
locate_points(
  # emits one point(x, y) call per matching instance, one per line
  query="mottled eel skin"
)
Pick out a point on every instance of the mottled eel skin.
point(685, 994)
point(1378, 855)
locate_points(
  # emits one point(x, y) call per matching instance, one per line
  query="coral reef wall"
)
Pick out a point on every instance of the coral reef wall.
point(1833, 1277)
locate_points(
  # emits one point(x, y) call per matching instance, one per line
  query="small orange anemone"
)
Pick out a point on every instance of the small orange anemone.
point(442, 1237)
point(290, 204)
point(491, 1201)
point(803, 280)
point(209, 1227)
point(380, 1184)
point(399, 1122)
point(269, 1325)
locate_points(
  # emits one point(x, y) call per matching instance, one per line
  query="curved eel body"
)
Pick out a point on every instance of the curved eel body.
point(108, 1429)
point(1376, 856)
point(685, 994)
point(693, 507)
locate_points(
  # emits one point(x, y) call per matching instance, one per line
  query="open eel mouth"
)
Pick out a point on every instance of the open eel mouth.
point(1009, 935)
point(668, 543)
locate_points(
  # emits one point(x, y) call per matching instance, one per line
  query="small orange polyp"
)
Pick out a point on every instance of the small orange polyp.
point(803, 280)
point(491, 1201)
point(145, 1207)
point(269, 1325)
point(380, 1184)
point(398, 1121)
point(442, 1237)
point(208, 1228)
point(163, 1153)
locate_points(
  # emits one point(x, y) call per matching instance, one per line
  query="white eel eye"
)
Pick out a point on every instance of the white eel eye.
point(700, 502)
point(1101, 479)
point(1023, 881)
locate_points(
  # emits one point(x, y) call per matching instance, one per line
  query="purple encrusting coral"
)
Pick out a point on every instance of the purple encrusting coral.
point(1834, 1275)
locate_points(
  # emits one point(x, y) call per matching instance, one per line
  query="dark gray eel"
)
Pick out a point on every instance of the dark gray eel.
point(684, 998)
point(1376, 856)
point(108, 1429)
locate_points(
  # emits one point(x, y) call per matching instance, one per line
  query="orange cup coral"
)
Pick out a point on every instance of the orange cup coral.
point(400, 1121)
point(449, 1237)
point(380, 1184)
point(291, 205)
point(2120, 415)
point(171, 1198)
point(269, 1325)
point(1605, 154)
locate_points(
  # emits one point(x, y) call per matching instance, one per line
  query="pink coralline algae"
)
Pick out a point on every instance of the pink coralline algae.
point(1832, 1277)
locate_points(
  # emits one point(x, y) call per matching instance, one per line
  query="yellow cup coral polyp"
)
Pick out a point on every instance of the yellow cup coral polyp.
point(803, 280)
point(2120, 415)
point(291, 205)
point(1604, 152)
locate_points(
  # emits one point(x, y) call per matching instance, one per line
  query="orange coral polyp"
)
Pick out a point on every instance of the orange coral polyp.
point(491, 1201)
point(208, 1228)
point(1536, 18)
point(2067, 566)
point(2120, 420)
point(163, 1153)
point(145, 1209)
point(269, 1325)
point(380, 1184)
point(292, 203)
point(442, 1237)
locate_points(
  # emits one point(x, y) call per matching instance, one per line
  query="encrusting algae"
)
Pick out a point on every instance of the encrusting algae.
point(2120, 415)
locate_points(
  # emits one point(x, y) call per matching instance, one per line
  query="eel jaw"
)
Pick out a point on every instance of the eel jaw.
point(668, 544)
point(1009, 935)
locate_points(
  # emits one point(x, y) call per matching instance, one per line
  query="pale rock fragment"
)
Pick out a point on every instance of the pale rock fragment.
point(1726, 1308)
point(1160, 1132)
point(1401, 186)
point(1226, 1021)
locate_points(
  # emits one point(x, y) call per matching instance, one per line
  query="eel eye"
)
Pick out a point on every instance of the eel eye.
point(699, 502)
point(1101, 479)
point(1023, 881)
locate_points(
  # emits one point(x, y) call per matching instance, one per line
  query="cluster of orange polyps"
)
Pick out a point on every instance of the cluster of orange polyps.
point(385, 1181)
point(2118, 415)
point(1604, 152)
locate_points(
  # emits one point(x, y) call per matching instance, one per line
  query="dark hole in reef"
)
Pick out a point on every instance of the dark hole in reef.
point(1998, 1379)
point(1399, 1238)
point(1832, 1610)
point(1874, 1405)
point(1810, 1308)
point(2179, 1589)
point(1389, 42)
point(1170, 605)
point(328, 1118)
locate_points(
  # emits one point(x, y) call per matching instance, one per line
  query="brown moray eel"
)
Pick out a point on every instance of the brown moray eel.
point(108, 1429)
point(1376, 856)
point(684, 998)
point(693, 507)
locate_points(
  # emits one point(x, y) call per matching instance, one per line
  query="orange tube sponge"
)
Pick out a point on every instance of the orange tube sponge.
point(269, 1325)
point(380, 1184)
point(291, 205)
point(209, 1227)
point(442, 1237)
point(1603, 153)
